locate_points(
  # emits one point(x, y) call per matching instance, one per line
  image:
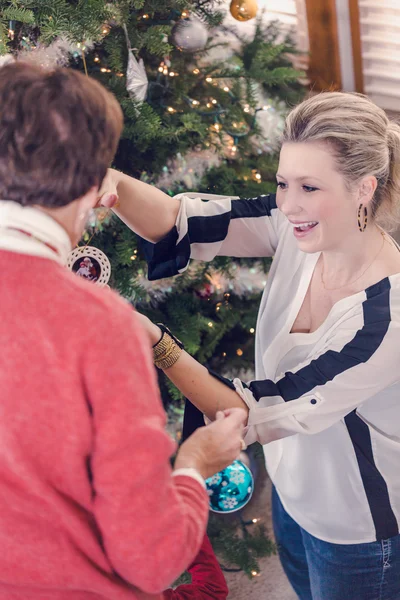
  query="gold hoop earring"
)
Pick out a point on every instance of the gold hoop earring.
point(362, 227)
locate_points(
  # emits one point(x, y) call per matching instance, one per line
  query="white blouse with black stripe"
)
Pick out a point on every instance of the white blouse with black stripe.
point(325, 405)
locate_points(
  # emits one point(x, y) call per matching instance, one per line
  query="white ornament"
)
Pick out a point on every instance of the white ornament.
point(90, 263)
point(190, 35)
point(136, 78)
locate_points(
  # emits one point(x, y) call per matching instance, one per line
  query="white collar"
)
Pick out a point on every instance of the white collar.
point(29, 230)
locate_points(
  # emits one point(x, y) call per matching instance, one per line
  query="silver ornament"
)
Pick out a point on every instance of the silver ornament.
point(189, 34)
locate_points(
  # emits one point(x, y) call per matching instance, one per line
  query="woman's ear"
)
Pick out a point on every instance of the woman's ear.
point(366, 190)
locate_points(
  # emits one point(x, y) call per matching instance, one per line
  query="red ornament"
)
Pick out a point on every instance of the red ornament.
point(206, 291)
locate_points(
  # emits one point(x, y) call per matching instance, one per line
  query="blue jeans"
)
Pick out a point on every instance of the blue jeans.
point(320, 570)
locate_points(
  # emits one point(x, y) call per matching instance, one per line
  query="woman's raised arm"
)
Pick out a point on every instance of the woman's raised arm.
point(145, 209)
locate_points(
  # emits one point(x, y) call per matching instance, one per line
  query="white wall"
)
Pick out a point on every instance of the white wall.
point(345, 45)
point(291, 13)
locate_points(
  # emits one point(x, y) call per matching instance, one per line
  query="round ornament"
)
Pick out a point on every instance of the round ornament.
point(189, 34)
point(230, 489)
point(206, 291)
point(243, 10)
point(90, 263)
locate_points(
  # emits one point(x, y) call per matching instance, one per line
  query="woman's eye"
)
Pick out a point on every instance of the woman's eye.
point(281, 185)
point(309, 188)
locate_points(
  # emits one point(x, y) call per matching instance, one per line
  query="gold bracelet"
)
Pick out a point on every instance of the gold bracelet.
point(162, 345)
point(166, 352)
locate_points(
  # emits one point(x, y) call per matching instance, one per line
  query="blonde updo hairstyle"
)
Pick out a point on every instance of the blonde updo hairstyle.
point(364, 142)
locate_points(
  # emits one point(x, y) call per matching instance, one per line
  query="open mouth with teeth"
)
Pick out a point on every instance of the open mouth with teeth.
point(306, 226)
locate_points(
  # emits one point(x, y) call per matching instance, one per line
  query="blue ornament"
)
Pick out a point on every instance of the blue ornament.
point(230, 489)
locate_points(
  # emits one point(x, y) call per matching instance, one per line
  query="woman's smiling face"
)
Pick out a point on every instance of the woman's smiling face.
point(314, 197)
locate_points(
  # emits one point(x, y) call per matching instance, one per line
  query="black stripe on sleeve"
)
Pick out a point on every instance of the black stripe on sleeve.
point(254, 207)
point(214, 228)
point(167, 258)
point(376, 310)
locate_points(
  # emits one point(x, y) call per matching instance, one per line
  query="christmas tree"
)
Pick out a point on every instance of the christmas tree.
point(203, 106)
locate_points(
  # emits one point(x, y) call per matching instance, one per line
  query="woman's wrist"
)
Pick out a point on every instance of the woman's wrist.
point(167, 350)
point(155, 334)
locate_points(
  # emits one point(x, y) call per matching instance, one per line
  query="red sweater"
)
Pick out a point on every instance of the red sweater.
point(88, 507)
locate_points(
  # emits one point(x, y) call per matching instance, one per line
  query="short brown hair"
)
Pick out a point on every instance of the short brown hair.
point(59, 131)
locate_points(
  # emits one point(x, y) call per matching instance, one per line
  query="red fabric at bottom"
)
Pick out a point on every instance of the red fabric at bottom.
point(208, 581)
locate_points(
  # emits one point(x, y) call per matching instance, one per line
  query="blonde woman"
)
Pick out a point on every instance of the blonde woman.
point(325, 402)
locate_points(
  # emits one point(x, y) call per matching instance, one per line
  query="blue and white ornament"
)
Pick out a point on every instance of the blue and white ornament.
point(230, 489)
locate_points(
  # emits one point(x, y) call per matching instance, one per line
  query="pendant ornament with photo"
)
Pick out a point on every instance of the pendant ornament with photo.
point(90, 263)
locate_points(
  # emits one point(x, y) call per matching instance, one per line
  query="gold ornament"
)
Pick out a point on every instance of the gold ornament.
point(243, 10)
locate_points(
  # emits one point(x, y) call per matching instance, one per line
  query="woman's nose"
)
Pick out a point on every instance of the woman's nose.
point(288, 204)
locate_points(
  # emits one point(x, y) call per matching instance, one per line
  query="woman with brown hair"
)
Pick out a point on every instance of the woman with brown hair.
point(325, 399)
point(90, 508)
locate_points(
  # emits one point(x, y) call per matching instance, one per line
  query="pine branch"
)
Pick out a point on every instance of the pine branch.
point(153, 40)
point(15, 13)
point(3, 38)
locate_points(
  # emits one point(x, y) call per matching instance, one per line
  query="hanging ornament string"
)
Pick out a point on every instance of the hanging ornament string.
point(90, 262)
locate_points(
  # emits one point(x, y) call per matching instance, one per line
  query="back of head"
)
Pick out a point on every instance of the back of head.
point(59, 131)
point(362, 139)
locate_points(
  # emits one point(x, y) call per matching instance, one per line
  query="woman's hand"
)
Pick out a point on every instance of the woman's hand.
point(108, 195)
point(212, 448)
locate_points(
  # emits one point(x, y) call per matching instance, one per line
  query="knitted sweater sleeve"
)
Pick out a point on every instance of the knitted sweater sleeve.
point(151, 524)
